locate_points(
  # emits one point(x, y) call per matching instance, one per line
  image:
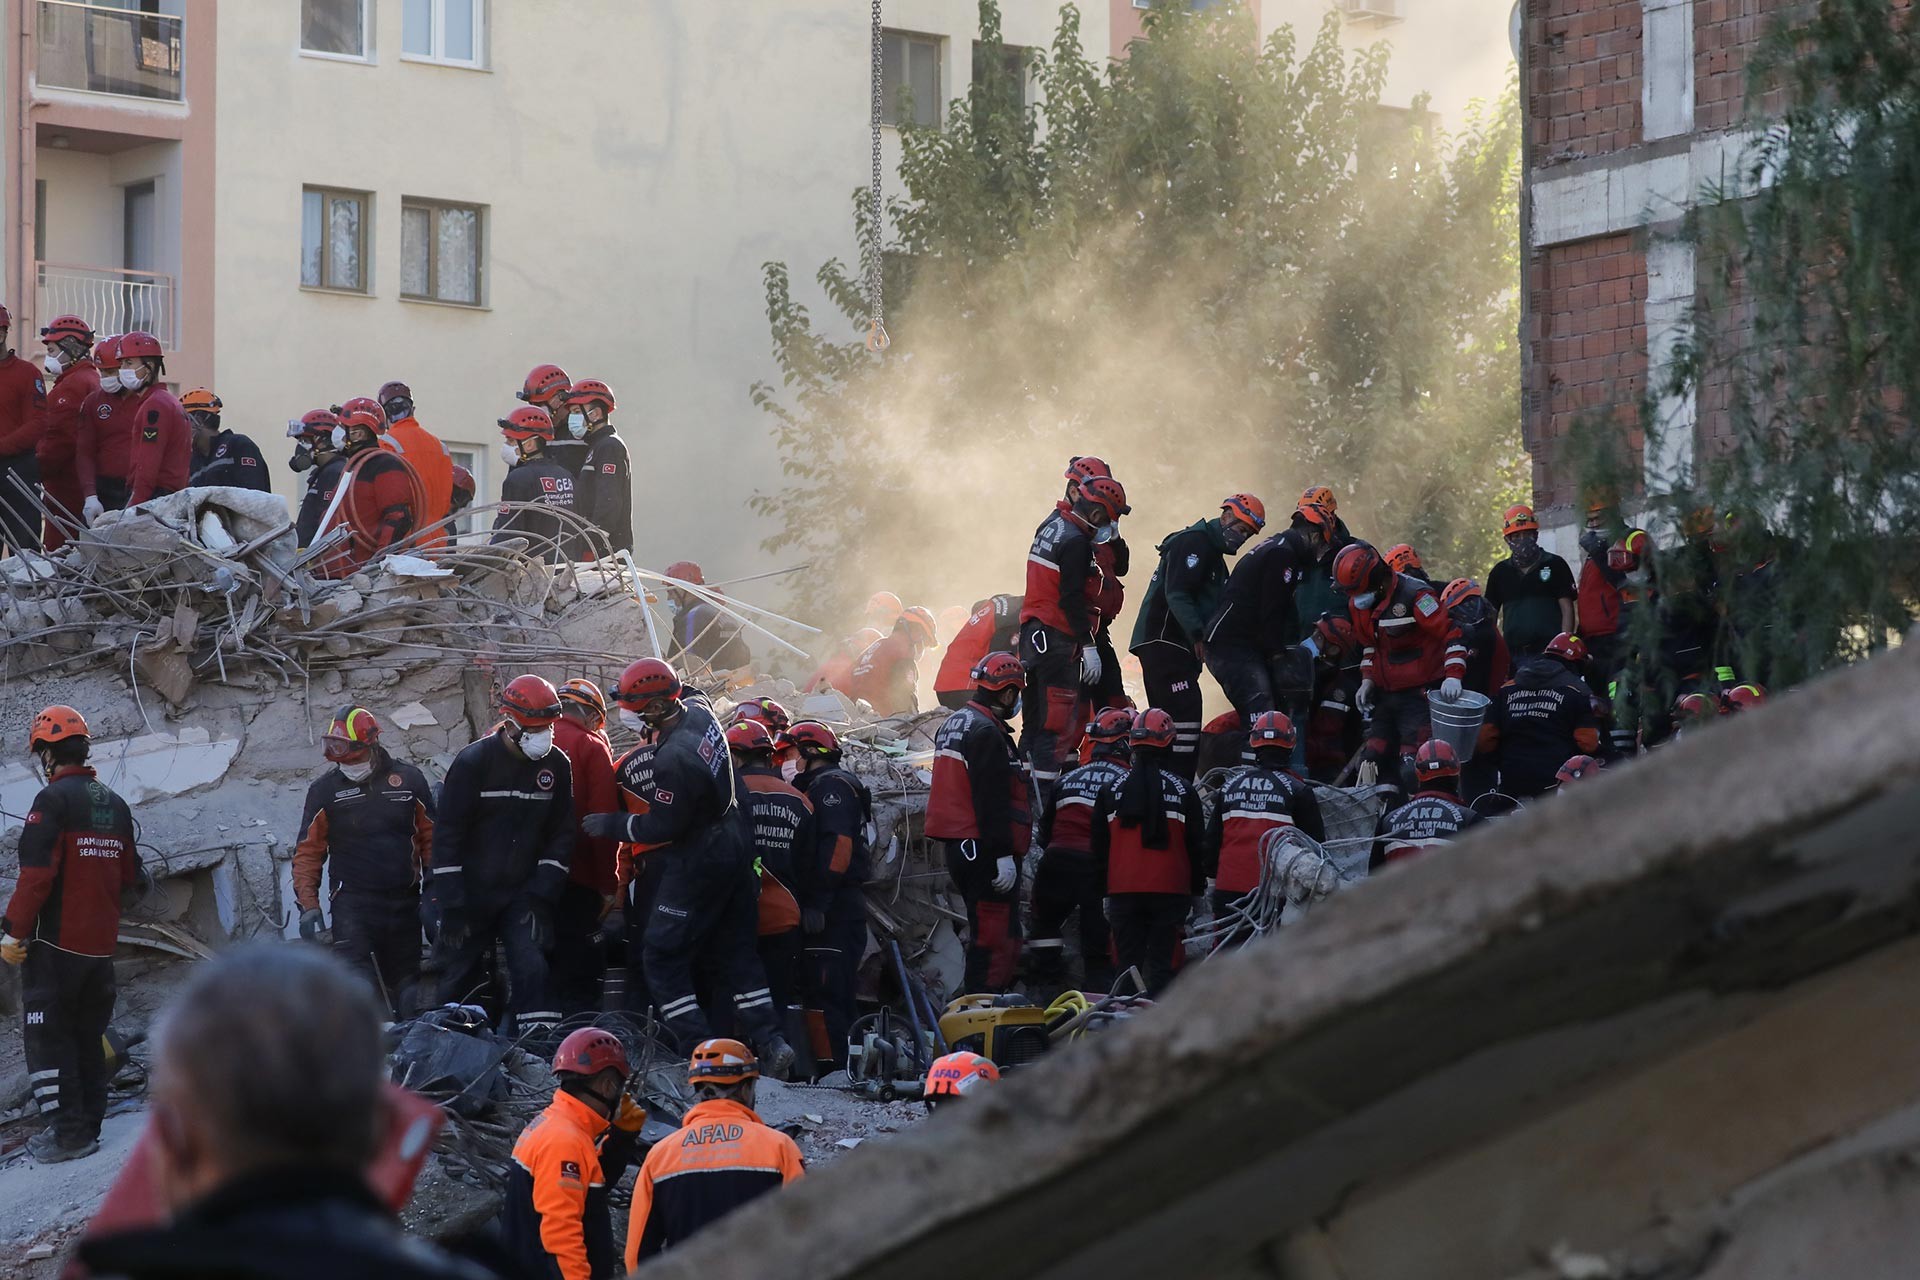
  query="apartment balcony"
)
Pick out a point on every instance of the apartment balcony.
point(95, 49)
point(110, 299)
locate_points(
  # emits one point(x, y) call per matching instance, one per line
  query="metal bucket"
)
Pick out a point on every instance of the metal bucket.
point(1458, 723)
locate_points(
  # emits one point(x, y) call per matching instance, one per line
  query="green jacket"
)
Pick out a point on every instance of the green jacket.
point(1185, 589)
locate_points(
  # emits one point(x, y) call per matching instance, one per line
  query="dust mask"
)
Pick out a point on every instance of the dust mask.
point(54, 364)
point(633, 720)
point(1105, 533)
point(130, 379)
point(339, 437)
point(534, 744)
point(302, 459)
point(358, 772)
point(1365, 600)
point(509, 453)
point(576, 425)
point(789, 769)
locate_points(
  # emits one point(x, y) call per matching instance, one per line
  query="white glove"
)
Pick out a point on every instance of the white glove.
point(1007, 874)
point(1089, 665)
point(1450, 689)
point(1363, 697)
point(1367, 774)
point(91, 510)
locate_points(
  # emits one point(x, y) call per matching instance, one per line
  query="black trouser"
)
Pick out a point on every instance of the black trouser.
point(463, 968)
point(1244, 678)
point(993, 919)
point(379, 934)
point(19, 517)
point(832, 961)
point(1403, 719)
point(1049, 705)
point(579, 956)
point(1111, 689)
point(1172, 677)
point(68, 1001)
point(1146, 929)
point(706, 914)
point(1067, 883)
point(639, 908)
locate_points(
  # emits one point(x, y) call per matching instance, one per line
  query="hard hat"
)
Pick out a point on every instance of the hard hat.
point(722, 1062)
point(364, 413)
point(1247, 508)
point(463, 481)
point(1153, 728)
point(1106, 493)
point(55, 724)
point(1518, 519)
point(813, 740)
point(200, 400)
point(1082, 469)
point(1272, 730)
point(315, 425)
point(998, 671)
point(644, 682)
point(350, 735)
point(1435, 759)
point(884, 606)
point(687, 571)
point(1334, 633)
point(764, 710)
point(530, 702)
point(1403, 559)
point(62, 327)
point(1358, 568)
point(106, 353)
point(1576, 768)
point(528, 422)
point(959, 1074)
point(543, 382)
point(1458, 592)
point(588, 1052)
point(918, 620)
point(582, 692)
point(1570, 649)
point(749, 737)
point(1319, 495)
point(1111, 727)
point(1743, 697)
point(591, 391)
point(139, 345)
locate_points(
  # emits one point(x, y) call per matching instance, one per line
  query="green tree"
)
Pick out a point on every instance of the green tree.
point(1222, 267)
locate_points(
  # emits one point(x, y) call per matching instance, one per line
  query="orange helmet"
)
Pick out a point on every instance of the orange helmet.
point(645, 681)
point(688, 572)
point(959, 1074)
point(813, 740)
point(1111, 727)
point(1577, 768)
point(589, 1051)
point(1247, 508)
point(884, 607)
point(528, 422)
point(1697, 522)
point(1696, 706)
point(582, 692)
point(766, 711)
point(200, 400)
point(350, 735)
point(1272, 730)
point(1435, 759)
point(1319, 495)
point(1154, 729)
point(1335, 636)
point(1316, 513)
point(62, 327)
point(1403, 559)
point(530, 702)
point(1518, 519)
point(1458, 592)
point(55, 724)
point(1359, 569)
point(749, 737)
point(106, 353)
point(1106, 493)
point(919, 623)
point(1742, 697)
point(999, 671)
point(722, 1062)
point(544, 382)
point(591, 391)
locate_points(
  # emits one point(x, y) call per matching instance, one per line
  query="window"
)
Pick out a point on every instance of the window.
point(337, 28)
point(333, 239)
point(440, 251)
point(909, 74)
point(447, 31)
point(1008, 83)
point(474, 459)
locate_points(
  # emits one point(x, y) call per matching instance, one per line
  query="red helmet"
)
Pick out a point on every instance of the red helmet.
point(544, 382)
point(766, 711)
point(463, 482)
point(1081, 470)
point(528, 422)
point(998, 671)
point(1319, 495)
point(530, 702)
point(1247, 508)
point(1570, 649)
point(1742, 697)
point(958, 1074)
point(62, 327)
point(313, 425)
point(106, 353)
point(139, 345)
point(645, 681)
point(1695, 706)
point(591, 391)
point(1111, 726)
point(1435, 759)
point(393, 390)
point(1577, 768)
point(1358, 568)
point(582, 692)
point(588, 1052)
point(1403, 559)
point(350, 735)
point(363, 412)
point(749, 737)
point(1153, 728)
point(811, 739)
point(1106, 493)
point(55, 724)
point(1518, 519)
point(1272, 730)
point(1335, 635)
point(687, 571)
point(1458, 592)
point(919, 623)
point(722, 1062)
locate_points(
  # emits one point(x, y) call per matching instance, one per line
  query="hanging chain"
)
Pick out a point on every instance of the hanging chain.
point(877, 339)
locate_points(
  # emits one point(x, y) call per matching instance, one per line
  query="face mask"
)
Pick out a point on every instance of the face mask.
point(302, 459)
point(396, 410)
point(357, 772)
point(789, 769)
point(631, 719)
point(1236, 536)
point(576, 425)
point(535, 745)
point(1106, 533)
point(1365, 600)
point(54, 364)
point(509, 453)
point(130, 379)
point(1526, 548)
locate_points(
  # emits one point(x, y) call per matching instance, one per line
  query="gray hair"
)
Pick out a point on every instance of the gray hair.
point(279, 1049)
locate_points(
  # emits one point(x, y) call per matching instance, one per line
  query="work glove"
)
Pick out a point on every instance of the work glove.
point(1368, 774)
point(91, 510)
point(631, 1117)
point(312, 925)
point(813, 920)
point(540, 925)
point(1090, 665)
point(607, 826)
point(1450, 689)
point(454, 929)
point(1363, 697)
point(1007, 874)
point(12, 949)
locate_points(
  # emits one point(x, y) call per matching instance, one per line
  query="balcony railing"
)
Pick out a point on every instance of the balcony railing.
point(109, 299)
point(101, 50)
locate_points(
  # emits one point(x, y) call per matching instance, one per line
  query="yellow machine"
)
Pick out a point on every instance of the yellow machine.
point(1008, 1030)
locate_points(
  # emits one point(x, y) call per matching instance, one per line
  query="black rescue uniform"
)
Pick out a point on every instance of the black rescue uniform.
point(780, 828)
point(235, 461)
point(1067, 882)
point(1528, 600)
point(603, 495)
point(502, 846)
point(1542, 718)
point(321, 486)
point(547, 487)
point(77, 859)
point(374, 838)
point(1429, 819)
point(833, 879)
point(1258, 620)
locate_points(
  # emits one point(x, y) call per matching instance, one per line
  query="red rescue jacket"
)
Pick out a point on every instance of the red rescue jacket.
point(76, 855)
point(1409, 641)
point(1133, 867)
point(1067, 824)
point(70, 391)
point(23, 405)
point(885, 675)
point(1255, 801)
point(979, 786)
point(1063, 581)
point(594, 791)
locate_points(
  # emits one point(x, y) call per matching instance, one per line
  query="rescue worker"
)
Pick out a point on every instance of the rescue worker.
point(1693, 711)
point(637, 874)
point(779, 822)
point(557, 1221)
point(1489, 667)
point(23, 424)
point(367, 823)
point(992, 626)
point(978, 806)
point(723, 1156)
point(762, 711)
point(424, 452)
point(1058, 618)
point(1577, 769)
point(1067, 884)
point(464, 488)
point(502, 847)
point(1601, 595)
point(1257, 621)
point(836, 669)
point(137, 446)
point(1315, 596)
point(1404, 559)
point(1147, 838)
point(955, 1076)
point(546, 388)
point(883, 607)
point(1336, 729)
point(315, 452)
point(1169, 636)
point(887, 675)
point(539, 486)
point(1742, 697)
point(1432, 816)
point(220, 456)
point(1541, 717)
point(1532, 589)
point(702, 632)
point(1107, 688)
point(1257, 799)
point(378, 499)
point(74, 377)
point(704, 906)
point(78, 864)
point(604, 491)
point(579, 956)
point(833, 876)
point(1408, 646)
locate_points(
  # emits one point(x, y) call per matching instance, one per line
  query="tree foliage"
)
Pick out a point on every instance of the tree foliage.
point(1222, 267)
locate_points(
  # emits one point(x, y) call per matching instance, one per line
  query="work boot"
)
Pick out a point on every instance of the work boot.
point(777, 1061)
point(46, 1148)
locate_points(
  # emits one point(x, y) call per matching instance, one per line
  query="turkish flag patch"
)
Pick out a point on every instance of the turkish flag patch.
point(661, 796)
point(609, 469)
point(549, 484)
point(33, 816)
